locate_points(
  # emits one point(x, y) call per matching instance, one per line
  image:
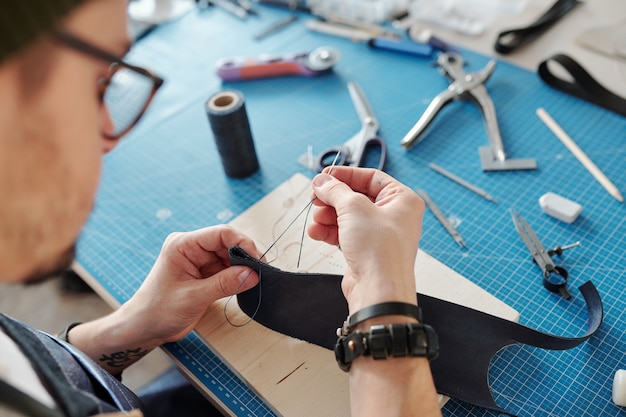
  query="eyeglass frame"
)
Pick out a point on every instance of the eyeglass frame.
point(117, 62)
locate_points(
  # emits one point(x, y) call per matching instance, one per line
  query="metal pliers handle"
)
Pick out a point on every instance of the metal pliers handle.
point(463, 85)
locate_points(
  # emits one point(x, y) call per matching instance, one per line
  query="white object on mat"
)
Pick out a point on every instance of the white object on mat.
point(560, 207)
point(619, 388)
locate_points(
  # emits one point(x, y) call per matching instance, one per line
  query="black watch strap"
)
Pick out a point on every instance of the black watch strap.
point(383, 341)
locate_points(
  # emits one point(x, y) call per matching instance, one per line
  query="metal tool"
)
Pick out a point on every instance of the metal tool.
point(423, 50)
point(232, 8)
point(316, 62)
point(357, 32)
point(554, 277)
point(484, 194)
point(275, 27)
point(469, 85)
point(420, 33)
point(354, 150)
point(247, 6)
point(441, 217)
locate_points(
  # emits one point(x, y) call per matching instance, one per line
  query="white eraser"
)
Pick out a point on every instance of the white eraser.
point(560, 207)
point(619, 388)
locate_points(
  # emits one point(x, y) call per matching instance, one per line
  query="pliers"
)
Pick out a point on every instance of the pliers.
point(468, 86)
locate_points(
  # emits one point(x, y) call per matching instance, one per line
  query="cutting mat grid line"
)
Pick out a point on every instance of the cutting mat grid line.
point(168, 177)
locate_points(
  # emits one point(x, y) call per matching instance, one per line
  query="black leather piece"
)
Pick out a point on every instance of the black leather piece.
point(583, 85)
point(509, 40)
point(311, 306)
point(306, 306)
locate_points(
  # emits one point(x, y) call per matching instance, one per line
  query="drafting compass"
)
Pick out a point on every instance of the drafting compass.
point(554, 277)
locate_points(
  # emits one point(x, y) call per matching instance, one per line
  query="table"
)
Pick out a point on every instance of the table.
point(166, 176)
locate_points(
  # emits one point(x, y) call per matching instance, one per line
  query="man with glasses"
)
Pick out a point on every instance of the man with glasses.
point(66, 98)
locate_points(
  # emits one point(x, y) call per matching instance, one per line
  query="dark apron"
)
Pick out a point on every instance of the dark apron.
point(77, 384)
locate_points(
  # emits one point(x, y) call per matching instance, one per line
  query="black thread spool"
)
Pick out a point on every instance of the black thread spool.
point(231, 129)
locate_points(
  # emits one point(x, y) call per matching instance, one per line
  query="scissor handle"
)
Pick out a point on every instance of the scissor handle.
point(346, 157)
point(327, 157)
point(371, 143)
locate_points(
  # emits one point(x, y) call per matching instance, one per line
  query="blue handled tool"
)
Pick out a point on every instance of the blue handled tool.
point(354, 151)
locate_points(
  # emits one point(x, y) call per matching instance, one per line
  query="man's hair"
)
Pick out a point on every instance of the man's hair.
point(22, 22)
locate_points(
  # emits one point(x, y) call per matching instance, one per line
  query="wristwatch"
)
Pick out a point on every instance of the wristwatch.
point(382, 341)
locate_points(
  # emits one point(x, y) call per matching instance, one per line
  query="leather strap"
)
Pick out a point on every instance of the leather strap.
point(63, 335)
point(392, 308)
point(511, 39)
point(583, 86)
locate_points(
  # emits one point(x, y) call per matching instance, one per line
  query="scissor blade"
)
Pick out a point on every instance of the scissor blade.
point(362, 106)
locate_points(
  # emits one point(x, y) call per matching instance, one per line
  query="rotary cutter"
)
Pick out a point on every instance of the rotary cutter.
point(316, 62)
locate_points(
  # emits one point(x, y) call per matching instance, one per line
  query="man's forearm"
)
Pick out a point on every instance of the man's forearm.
point(392, 387)
point(112, 342)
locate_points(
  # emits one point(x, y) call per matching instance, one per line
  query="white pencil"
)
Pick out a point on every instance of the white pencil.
point(579, 154)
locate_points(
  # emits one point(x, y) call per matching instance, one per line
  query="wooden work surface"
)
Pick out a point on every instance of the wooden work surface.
point(295, 377)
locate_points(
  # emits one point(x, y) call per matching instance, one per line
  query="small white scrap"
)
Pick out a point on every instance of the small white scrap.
point(560, 207)
point(163, 214)
point(224, 215)
point(619, 388)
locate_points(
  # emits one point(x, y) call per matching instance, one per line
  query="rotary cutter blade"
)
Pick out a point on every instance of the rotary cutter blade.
point(322, 58)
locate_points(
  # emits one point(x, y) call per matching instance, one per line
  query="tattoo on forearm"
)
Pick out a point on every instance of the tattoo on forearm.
point(123, 358)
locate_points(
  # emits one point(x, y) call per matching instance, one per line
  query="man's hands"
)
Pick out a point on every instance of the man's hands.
point(191, 272)
point(377, 222)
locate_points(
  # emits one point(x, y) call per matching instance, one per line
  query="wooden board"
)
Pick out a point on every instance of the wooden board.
point(294, 377)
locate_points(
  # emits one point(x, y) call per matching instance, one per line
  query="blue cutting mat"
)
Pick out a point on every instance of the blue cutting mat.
point(166, 176)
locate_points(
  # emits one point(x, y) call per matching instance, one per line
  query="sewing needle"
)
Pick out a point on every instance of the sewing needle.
point(484, 194)
point(442, 218)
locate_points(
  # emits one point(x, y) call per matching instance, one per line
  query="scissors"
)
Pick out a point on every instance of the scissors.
point(354, 151)
point(554, 277)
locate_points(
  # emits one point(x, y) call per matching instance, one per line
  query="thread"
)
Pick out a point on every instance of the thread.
point(227, 115)
point(306, 209)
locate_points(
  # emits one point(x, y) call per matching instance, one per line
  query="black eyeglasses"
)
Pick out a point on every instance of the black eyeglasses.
point(126, 91)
